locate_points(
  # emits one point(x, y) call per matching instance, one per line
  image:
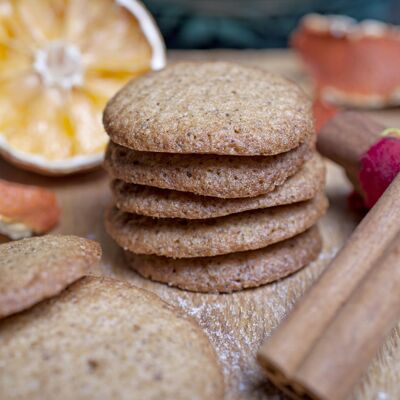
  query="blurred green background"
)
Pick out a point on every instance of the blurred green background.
point(202, 24)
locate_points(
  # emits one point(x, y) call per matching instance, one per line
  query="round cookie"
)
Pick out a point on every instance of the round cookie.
point(106, 339)
point(163, 203)
point(231, 272)
point(212, 107)
point(180, 238)
point(37, 268)
point(206, 175)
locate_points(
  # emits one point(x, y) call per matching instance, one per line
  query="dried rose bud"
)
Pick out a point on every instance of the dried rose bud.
point(379, 166)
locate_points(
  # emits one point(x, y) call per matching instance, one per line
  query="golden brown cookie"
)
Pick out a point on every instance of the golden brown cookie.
point(37, 268)
point(231, 272)
point(211, 107)
point(163, 203)
point(180, 238)
point(206, 175)
point(106, 339)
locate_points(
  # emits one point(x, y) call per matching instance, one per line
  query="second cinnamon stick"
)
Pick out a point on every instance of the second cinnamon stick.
point(346, 137)
point(286, 350)
point(339, 358)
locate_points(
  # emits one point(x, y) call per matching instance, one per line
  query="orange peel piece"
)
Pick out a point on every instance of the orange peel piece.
point(26, 210)
point(353, 64)
point(323, 112)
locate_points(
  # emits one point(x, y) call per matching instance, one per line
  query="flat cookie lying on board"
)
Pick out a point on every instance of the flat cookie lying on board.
point(204, 174)
point(231, 272)
point(37, 268)
point(106, 339)
point(202, 238)
point(163, 203)
point(216, 108)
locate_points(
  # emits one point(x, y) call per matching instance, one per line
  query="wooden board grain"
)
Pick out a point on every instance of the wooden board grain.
point(236, 323)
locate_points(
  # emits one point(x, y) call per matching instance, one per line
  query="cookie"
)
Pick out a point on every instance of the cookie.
point(106, 339)
point(180, 238)
point(163, 203)
point(207, 175)
point(231, 272)
point(212, 107)
point(40, 267)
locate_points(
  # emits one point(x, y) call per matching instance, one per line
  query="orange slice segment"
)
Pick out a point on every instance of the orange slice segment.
point(60, 61)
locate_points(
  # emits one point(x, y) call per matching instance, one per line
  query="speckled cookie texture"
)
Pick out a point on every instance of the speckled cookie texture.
point(207, 175)
point(162, 203)
point(231, 272)
point(37, 268)
point(105, 339)
point(179, 238)
point(215, 176)
point(216, 108)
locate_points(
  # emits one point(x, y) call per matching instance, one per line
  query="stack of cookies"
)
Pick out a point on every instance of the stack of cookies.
point(217, 185)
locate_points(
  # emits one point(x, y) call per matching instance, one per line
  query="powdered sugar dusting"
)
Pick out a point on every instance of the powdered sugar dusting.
point(329, 254)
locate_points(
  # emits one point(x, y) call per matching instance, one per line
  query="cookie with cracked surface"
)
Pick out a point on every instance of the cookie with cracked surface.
point(231, 272)
point(180, 238)
point(205, 174)
point(37, 268)
point(210, 107)
point(106, 339)
point(164, 203)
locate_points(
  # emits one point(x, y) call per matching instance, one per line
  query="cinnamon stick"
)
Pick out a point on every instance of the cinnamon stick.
point(346, 137)
point(339, 358)
point(289, 346)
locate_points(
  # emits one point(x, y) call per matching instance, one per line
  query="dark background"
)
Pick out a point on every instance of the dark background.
point(204, 24)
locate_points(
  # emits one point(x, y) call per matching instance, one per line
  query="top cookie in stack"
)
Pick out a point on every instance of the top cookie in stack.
point(217, 184)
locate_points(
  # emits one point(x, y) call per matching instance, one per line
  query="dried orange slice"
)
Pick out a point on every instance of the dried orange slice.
point(60, 61)
point(353, 64)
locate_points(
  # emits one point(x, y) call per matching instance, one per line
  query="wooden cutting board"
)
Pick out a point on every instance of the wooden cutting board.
point(236, 323)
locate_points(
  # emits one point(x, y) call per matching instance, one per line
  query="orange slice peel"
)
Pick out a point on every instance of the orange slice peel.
point(322, 112)
point(26, 210)
point(353, 64)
